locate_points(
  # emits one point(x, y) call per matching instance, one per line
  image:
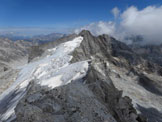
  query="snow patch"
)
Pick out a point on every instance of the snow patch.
point(65, 75)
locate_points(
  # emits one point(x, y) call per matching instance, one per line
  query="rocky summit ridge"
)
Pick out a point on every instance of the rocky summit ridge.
point(85, 79)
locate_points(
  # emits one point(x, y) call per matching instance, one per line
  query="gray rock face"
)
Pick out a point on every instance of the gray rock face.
point(108, 48)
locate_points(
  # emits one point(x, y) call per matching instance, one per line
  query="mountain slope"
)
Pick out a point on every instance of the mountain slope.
point(150, 52)
point(81, 80)
point(11, 51)
point(12, 55)
point(137, 78)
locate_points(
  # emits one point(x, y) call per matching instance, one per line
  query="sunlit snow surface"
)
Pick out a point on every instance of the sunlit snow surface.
point(52, 70)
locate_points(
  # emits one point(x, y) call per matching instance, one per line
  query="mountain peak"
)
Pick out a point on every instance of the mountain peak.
point(85, 32)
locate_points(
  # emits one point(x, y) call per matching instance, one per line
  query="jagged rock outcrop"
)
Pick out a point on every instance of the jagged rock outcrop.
point(108, 48)
point(103, 46)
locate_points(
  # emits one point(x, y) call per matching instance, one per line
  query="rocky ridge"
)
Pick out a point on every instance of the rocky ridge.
point(95, 97)
point(138, 78)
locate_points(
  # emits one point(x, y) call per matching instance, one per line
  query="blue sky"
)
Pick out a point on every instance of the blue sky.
point(62, 13)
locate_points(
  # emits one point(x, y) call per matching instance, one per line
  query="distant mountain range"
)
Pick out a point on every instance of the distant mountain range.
point(46, 38)
point(37, 38)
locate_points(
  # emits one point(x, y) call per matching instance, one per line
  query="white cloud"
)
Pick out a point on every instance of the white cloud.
point(98, 28)
point(146, 22)
point(115, 11)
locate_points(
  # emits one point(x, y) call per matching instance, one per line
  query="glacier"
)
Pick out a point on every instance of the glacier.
point(53, 69)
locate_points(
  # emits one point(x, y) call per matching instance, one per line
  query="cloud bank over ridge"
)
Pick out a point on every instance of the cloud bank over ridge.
point(146, 23)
